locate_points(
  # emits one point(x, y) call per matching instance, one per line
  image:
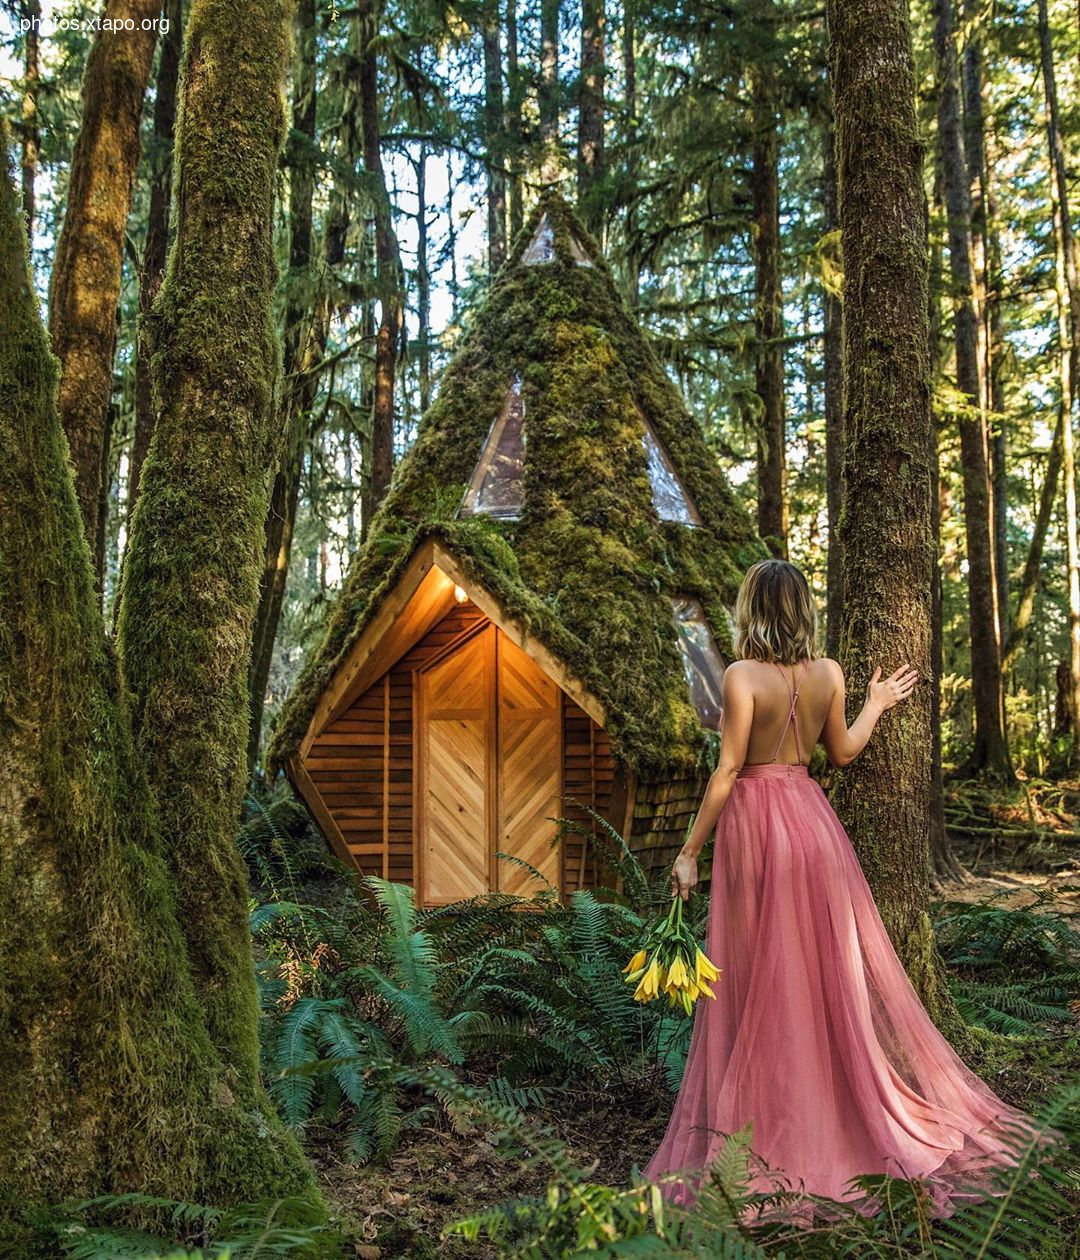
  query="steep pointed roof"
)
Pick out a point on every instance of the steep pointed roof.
point(561, 468)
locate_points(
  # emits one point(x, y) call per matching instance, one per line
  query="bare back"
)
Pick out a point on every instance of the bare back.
point(791, 706)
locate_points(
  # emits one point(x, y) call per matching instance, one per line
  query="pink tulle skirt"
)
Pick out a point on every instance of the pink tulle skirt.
point(816, 1036)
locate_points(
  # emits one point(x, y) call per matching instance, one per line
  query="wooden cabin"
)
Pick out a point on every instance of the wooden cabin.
point(554, 644)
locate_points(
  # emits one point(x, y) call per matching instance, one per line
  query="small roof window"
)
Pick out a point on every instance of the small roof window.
point(702, 662)
point(670, 499)
point(497, 485)
point(541, 249)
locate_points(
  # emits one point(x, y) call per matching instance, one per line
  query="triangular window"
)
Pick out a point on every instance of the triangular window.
point(702, 662)
point(541, 249)
point(670, 499)
point(496, 488)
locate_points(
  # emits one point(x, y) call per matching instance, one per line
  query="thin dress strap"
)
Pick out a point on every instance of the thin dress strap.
point(792, 719)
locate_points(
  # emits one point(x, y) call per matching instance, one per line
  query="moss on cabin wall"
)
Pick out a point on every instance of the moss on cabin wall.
point(587, 566)
point(111, 1082)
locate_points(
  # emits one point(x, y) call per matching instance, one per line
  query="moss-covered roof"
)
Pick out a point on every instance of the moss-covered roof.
point(587, 565)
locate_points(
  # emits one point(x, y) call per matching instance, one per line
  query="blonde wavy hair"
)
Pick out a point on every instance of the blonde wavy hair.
point(775, 618)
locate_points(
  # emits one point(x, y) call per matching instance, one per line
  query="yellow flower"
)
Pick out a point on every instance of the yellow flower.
point(704, 990)
point(650, 983)
point(636, 963)
point(704, 968)
point(677, 974)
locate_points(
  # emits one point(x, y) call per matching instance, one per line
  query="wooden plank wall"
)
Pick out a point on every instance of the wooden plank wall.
point(362, 766)
point(662, 810)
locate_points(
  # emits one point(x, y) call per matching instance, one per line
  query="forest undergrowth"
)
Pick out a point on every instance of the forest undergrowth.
point(477, 1081)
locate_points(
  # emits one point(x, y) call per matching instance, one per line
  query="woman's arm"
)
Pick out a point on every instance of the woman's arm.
point(738, 718)
point(843, 743)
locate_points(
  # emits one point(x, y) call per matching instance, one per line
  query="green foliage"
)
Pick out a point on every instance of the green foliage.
point(1011, 970)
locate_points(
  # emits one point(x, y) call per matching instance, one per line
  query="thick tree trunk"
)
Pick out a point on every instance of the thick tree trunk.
point(886, 525)
point(493, 136)
point(112, 1083)
point(1069, 276)
point(834, 415)
point(991, 749)
point(191, 574)
point(548, 90)
point(515, 103)
point(85, 282)
point(590, 171)
point(29, 127)
point(769, 302)
point(298, 389)
point(629, 51)
point(157, 234)
point(388, 278)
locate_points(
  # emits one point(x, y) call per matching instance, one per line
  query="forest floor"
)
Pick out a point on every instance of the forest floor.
point(1021, 854)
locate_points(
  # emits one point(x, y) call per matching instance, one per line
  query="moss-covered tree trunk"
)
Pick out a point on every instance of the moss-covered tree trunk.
point(304, 343)
point(991, 749)
point(85, 282)
point(548, 87)
point(768, 295)
point(515, 105)
point(834, 413)
point(387, 274)
point(490, 35)
point(111, 1082)
point(886, 524)
point(590, 170)
point(157, 232)
point(191, 574)
point(29, 127)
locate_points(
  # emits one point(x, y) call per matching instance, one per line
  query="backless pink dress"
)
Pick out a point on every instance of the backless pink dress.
point(816, 1034)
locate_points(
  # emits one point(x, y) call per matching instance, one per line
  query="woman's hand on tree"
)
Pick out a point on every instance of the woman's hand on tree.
point(898, 686)
point(683, 875)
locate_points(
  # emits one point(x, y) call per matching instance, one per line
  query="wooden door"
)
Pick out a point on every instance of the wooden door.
point(529, 760)
point(456, 788)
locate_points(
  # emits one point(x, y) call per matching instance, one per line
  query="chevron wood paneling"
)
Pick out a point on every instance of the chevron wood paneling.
point(529, 738)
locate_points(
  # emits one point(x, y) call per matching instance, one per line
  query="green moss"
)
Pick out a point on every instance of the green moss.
point(588, 566)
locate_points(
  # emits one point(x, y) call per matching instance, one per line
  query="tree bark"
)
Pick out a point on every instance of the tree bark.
point(548, 90)
point(629, 49)
point(991, 750)
point(157, 234)
point(769, 302)
point(834, 415)
point(590, 170)
point(85, 282)
point(388, 277)
point(493, 136)
point(515, 103)
point(1069, 277)
point(886, 524)
point(423, 282)
point(96, 973)
point(191, 574)
point(30, 130)
point(301, 341)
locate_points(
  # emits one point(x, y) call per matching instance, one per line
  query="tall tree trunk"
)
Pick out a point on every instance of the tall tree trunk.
point(769, 300)
point(987, 266)
point(548, 91)
point(1069, 270)
point(87, 887)
point(515, 103)
point(301, 341)
point(157, 233)
point(493, 136)
point(85, 283)
point(30, 127)
point(834, 413)
point(629, 51)
point(991, 750)
point(886, 524)
point(191, 574)
point(388, 276)
point(590, 171)
point(423, 282)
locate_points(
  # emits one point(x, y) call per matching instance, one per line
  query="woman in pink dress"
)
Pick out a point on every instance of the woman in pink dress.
point(816, 1035)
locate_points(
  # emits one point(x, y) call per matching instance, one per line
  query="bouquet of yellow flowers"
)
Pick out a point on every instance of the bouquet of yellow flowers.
point(671, 962)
